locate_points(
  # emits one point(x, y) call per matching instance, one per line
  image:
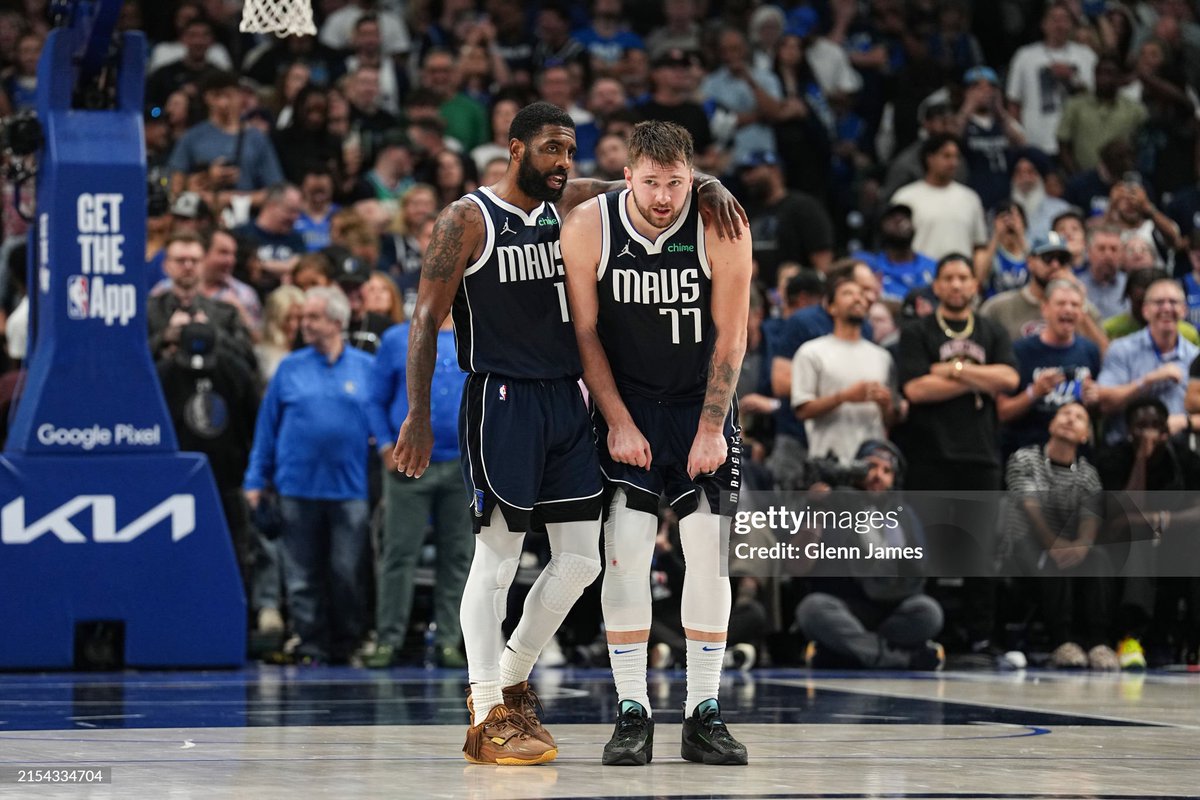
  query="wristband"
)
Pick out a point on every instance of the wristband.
point(706, 183)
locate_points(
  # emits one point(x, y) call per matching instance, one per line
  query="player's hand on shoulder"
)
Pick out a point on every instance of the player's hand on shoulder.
point(709, 451)
point(627, 445)
point(414, 446)
point(720, 209)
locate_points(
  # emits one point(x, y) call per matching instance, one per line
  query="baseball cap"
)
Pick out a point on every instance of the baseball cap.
point(1050, 243)
point(347, 270)
point(982, 73)
point(758, 158)
point(882, 448)
point(189, 205)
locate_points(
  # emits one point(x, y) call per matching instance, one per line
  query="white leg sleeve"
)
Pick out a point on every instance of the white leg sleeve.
point(706, 592)
point(628, 549)
point(485, 597)
point(574, 565)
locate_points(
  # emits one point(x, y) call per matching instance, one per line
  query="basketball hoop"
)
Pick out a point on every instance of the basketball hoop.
point(278, 17)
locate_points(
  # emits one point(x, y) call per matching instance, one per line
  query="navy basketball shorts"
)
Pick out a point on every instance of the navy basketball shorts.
point(528, 449)
point(670, 429)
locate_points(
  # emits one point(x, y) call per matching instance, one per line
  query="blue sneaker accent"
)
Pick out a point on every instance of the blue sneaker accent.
point(628, 705)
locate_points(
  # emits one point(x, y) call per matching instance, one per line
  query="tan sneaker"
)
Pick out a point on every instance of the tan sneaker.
point(521, 698)
point(505, 738)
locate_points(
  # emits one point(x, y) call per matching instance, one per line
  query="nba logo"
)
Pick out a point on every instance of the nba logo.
point(479, 498)
point(504, 391)
point(77, 297)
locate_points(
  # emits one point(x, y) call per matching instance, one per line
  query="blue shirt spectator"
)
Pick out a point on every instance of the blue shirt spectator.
point(249, 150)
point(313, 427)
point(389, 391)
point(899, 277)
point(1079, 361)
point(735, 87)
point(1135, 362)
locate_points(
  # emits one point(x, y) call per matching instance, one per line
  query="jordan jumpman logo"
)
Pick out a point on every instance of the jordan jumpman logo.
point(506, 229)
point(625, 251)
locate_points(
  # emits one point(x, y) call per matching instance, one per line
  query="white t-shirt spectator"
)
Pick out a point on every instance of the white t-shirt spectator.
point(339, 27)
point(827, 365)
point(169, 52)
point(948, 219)
point(1040, 94)
point(831, 67)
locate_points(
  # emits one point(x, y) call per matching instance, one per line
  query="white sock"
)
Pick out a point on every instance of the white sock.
point(485, 696)
point(516, 662)
point(629, 672)
point(703, 672)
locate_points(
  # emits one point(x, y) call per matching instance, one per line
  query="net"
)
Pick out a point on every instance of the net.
point(280, 17)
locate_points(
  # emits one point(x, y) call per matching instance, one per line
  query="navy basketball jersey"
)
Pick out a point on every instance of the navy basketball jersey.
point(510, 313)
point(655, 316)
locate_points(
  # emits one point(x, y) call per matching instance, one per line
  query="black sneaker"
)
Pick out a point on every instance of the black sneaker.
point(632, 743)
point(706, 740)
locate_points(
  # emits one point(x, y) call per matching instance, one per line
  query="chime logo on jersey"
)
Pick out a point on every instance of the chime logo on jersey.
point(504, 391)
point(77, 297)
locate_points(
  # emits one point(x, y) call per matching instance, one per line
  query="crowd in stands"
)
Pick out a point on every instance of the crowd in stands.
point(976, 232)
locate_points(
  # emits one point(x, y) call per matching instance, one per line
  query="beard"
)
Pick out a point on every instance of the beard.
point(897, 242)
point(856, 319)
point(954, 307)
point(1030, 201)
point(649, 217)
point(533, 183)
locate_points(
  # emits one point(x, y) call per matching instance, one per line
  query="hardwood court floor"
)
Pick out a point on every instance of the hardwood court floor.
point(269, 732)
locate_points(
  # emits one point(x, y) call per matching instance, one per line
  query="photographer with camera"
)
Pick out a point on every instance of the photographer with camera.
point(873, 621)
point(843, 384)
point(168, 313)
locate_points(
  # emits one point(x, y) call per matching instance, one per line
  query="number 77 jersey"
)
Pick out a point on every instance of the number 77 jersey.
point(510, 313)
point(655, 315)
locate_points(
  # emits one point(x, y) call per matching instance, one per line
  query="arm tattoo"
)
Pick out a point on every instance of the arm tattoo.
point(422, 358)
point(721, 377)
point(445, 245)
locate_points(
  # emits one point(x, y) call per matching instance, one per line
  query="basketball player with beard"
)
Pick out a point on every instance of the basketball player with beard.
point(529, 460)
point(660, 304)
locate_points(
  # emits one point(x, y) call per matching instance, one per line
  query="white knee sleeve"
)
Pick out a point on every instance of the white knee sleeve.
point(493, 567)
point(574, 565)
point(569, 574)
point(706, 592)
point(628, 549)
